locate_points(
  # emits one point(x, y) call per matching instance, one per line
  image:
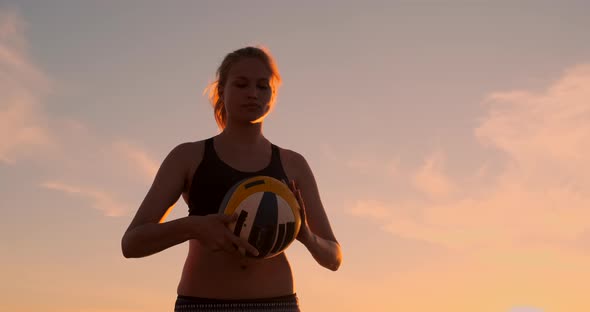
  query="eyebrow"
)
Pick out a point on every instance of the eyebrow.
point(246, 78)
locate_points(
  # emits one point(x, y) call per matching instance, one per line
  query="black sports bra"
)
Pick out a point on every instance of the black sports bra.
point(213, 178)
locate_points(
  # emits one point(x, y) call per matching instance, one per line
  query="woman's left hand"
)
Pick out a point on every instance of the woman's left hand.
point(304, 231)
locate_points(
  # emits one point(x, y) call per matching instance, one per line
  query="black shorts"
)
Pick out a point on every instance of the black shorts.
point(288, 303)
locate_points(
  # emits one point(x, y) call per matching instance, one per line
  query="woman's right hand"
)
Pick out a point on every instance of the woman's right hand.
point(212, 232)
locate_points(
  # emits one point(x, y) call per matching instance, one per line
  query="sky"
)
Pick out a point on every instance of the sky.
point(450, 141)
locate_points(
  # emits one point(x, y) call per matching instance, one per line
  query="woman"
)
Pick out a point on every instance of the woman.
point(216, 275)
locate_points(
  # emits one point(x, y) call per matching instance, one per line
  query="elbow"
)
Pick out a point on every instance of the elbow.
point(334, 265)
point(127, 254)
point(127, 248)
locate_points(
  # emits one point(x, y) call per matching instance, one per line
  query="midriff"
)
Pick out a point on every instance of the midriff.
point(221, 275)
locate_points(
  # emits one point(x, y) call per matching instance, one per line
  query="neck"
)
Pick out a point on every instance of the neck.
point(243, 134)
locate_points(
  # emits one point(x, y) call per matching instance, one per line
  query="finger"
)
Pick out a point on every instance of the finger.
point(228, 219)
point(239, 244)
point(299, 197)
point(301, 204)
point(228, 245)
point(243, 244)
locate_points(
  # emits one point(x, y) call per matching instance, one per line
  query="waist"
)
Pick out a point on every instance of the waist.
point(223, 276)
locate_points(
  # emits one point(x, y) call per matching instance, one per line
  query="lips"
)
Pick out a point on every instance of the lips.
point(251, 105)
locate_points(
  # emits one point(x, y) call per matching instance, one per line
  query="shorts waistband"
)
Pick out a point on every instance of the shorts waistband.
point(286, 303)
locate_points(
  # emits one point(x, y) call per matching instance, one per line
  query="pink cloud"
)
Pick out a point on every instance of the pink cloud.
point(63, 145)
point(431, 178)
point(137, 158)
point(539, 197)
point(100, 200)
point(23, 127)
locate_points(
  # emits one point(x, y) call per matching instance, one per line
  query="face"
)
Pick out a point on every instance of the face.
point(247, 91)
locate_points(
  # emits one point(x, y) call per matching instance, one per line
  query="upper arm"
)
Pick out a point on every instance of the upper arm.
point(317, 218)
point(166, 188)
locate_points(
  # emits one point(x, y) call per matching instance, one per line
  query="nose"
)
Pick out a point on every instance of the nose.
point(253, 92)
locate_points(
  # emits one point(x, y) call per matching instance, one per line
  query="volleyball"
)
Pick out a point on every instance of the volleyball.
point(268, 214)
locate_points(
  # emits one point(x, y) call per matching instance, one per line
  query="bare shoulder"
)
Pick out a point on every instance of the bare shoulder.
point(185, 153)
point(297, 168)
point(189, 151)
point(189, 155)
point(294, 163)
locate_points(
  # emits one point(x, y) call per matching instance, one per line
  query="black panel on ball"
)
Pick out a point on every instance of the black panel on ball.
point(264, 228)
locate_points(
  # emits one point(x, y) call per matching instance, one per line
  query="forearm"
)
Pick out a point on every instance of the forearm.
point(148, 239)
point(326, 252)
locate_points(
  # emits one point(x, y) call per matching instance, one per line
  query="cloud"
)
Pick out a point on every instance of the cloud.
point(109, 173)
point(23, 127)
point(431, 178)
point(66, 148)
point(539, 196)
point(371, 208)
point(137, 158)
point(536, 129)
point(363, 161)
point(100, 200)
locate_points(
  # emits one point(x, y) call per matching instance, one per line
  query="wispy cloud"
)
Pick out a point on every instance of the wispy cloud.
point(538, 198)
point(431, 178)
point(23, 128)
point(67, 148)
point(363, 161)
point(371, 208)
point(137, 158)
point(100, 200)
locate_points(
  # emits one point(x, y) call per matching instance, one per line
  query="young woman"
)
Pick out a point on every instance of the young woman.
point(216, 276)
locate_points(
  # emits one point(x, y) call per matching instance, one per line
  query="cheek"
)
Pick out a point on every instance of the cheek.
point(231, 94)
point(266, 95)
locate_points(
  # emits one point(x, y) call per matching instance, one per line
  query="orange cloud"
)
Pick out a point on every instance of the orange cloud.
point(431, 178)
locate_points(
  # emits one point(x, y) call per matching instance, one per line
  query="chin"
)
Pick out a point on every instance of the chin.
point(258, 120)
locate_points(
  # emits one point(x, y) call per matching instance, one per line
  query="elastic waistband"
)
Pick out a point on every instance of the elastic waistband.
point(198, 300)
point(287, 303)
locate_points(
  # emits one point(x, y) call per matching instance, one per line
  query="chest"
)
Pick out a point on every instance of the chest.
point(245, 160)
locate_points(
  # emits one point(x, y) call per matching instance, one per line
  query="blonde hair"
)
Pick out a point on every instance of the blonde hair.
point(214, 88)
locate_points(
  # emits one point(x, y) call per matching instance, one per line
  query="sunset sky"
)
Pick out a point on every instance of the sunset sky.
point(450, 141)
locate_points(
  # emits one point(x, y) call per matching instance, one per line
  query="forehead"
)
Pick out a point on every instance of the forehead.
point(250, 68)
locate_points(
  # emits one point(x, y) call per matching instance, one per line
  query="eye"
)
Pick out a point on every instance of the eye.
point(264, 86)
